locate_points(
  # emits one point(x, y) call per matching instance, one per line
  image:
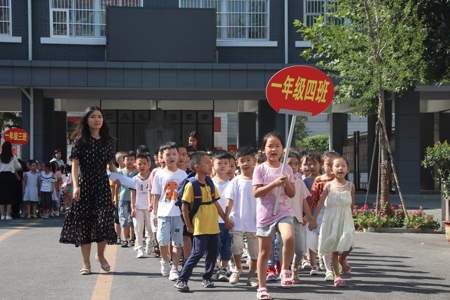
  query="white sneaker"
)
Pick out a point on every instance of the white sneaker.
point(234, 278)
point(3, 217)
point(329, 276)
point(140, 253)
point(173, 276)
point(8, 218)
point(165, 268)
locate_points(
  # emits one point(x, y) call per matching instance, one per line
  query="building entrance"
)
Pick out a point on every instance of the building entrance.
point(155, 127)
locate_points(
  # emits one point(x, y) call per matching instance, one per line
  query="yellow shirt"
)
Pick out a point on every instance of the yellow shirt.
point(205, 220)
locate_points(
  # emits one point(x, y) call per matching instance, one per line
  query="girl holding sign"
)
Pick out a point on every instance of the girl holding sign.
point(267, 178)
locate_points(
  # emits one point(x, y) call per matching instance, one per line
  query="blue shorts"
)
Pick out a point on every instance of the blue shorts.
point(125, 214)
point(170, 229)
point(224, 243)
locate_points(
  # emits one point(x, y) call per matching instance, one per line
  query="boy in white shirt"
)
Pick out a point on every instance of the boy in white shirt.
point(140, 206)
point(169, 222)
point(221, 167)
point(241, 208)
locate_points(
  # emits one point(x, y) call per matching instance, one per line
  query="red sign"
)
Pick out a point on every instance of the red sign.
point(16, 136)
point(217, 124)
point(300, 89)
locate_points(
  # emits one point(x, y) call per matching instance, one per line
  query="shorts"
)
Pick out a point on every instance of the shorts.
point(125, 214)
point(237, 244)
point(46, 200)
point(224, 243)
point(269, 230)
point(170, 229)
point(299, 238)
point(56, 204)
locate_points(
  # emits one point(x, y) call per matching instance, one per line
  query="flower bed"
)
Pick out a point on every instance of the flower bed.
point(392, 219)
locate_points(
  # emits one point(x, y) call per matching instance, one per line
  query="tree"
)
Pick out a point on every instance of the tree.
point(300, 131)
point(436, 17)
point(373, 47)
point(8, 119)
point(315, 143)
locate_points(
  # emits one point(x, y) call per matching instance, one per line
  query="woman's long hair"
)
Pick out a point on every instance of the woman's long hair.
point(83, 134)
point(6, 154)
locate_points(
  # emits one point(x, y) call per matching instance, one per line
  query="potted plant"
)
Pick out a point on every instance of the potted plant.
point(437, 158)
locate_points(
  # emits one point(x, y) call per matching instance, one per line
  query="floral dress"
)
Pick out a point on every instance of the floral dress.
point(91, 219)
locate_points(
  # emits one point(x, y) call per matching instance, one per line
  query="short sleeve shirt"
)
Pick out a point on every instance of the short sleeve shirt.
point(47, 181)
point(263, 175)
point(165, 183)
point(141, 191)
point(205, 220)
point(243, 214)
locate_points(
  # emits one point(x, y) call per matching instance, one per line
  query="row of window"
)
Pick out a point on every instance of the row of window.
point(236, 19)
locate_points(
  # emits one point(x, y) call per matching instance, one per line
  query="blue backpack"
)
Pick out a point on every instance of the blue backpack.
point(196, 185)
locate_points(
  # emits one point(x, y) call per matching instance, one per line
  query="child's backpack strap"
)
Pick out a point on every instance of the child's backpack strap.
point(180, 190)
point(198, 195)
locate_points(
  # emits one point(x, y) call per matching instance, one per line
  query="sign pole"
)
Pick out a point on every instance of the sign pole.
point(283, 165)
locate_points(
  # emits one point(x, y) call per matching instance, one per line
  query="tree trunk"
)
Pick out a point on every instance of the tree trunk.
point(383, 167)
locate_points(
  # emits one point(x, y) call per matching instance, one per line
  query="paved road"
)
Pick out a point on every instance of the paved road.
point(33, 265)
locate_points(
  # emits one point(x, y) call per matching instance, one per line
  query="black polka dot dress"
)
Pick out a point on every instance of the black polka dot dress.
point(91, 219)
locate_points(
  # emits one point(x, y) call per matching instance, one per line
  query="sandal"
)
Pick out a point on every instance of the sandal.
point(339, 282)
point(105, 267)
point(286, 279)
point(85, 271)
point(262, 294)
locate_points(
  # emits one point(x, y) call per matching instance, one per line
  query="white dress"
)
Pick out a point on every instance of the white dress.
point(31, 189)
point(337, 229)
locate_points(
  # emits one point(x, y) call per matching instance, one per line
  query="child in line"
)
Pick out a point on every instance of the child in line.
point(140, 206)
point(241, 209)
point(184, 164)
point(67, 188)
point(159, 165)
point(314, 226)
point(125, 220)
point(267, 178)
point(115, 189)
point(203, 225)
point(56, 195)
point(232, 170)
point(221, 168)
point(300, 207)
point(337, 229)
point(46, 187)
point(31, 188)
point(169, 222)
point(310, 168)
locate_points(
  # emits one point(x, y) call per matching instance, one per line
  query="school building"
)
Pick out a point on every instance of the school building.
point(161, 68)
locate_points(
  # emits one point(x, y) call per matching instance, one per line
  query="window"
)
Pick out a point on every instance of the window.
point(82, 18)
point(315, 8)
point(5, 17)
point(237, 19)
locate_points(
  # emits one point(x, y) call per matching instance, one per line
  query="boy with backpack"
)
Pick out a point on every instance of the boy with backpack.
point(200, 214)
point(168, 216)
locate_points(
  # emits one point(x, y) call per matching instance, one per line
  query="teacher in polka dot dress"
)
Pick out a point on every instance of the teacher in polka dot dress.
point(91, 217)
